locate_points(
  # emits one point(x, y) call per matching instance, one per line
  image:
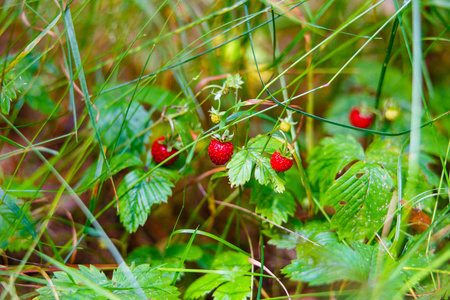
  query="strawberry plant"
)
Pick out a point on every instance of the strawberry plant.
point(224, 150)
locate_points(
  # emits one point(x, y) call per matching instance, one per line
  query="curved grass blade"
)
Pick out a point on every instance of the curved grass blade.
point(193, 57)
point(79, 65)
point(282, 104)
point(76, 274)
point(32, 44)
point(100, 231)
point(212, 236)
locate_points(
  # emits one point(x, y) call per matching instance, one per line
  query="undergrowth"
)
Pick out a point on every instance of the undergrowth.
point(107, 182)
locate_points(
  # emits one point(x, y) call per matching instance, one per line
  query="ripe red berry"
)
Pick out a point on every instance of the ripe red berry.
point(160, 153)
point(361, 119)
point(280, 163)
point(220, 152)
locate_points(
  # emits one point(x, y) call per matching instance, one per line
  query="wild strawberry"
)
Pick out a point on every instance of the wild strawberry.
point(281, 163)
point(215, 115)
point(284, 126)
point(286, 123)
point(391, 109)
point(215, 119)
point(161, 151)
point(391, 113)
point(361, 117)
point(221, 149)
point(220, 152)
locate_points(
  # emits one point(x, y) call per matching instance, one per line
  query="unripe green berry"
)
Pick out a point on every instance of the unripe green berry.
point(285, 126)
point(215, 118)
point(391, 114)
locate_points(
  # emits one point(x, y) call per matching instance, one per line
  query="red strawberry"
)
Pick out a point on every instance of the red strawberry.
point(220, 152)
point(160, 152)
point(281, 163)
point(361, 117)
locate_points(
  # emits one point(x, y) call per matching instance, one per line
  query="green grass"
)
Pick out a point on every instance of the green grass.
point(88, 86)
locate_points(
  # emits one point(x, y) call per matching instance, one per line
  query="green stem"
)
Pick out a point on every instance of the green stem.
point(386, 61)
point(261, 239)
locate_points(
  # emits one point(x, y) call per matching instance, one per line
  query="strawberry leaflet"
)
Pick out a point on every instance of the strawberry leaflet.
point(150, 284)
point(136, 198)
point(240, 168)
point(361, 199)
point(241, 165)
point(270, 205)
point(330, 157)
point(229, 285)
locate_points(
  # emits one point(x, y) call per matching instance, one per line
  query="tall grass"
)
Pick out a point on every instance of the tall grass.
point(87, 86)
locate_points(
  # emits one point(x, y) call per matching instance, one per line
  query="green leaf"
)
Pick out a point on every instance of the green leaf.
point(294, 185)
point(204, 285)
point(265, 174)
point(112, 112)
point(135, 204)
point(237, 289)
point(219, 175)
point(259, 143)
point(123, 161)
point(17, 229)
point(424, 163)
point(419, 260)
point(145, 254)
point(329, 158)
point(263, 170)
point(182, 127)
point(170, 259)
point(386, 154)
point(271, 205)
point(151, 255)
point(93, 274)
point(29, 86)
point(240, 168)
point(241, 165)
point(432, 141)
point(155, 96)
point(6, 96)
point(22, 187)
point(317, 231)
point(149, 281)
point(177, 250)
point(361, 199)
point(231, 261)
point(233, 286)
point(74, 285)
point(118, 163)
point(422, 181)
point(331, 262)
